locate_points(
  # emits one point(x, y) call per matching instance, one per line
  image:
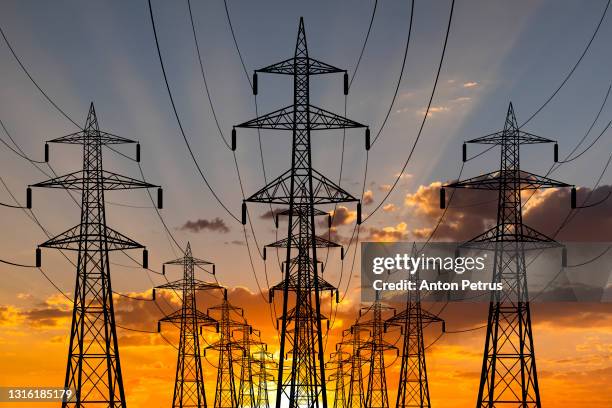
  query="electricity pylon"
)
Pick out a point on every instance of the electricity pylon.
point(262, 359)
point(229, 351)
point(413, 387)
point(338, 362)
point(246, 390)
point(300, 189)
point(509, 375)
point(189, 380)
point(93, 370)
point(376, 395)
point(356, 364)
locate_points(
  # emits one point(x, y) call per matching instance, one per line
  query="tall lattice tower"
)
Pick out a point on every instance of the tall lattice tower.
point(413, 388)
point(337, 362)
point(230, 352)
point(349, 365)
point(376, 395)
point(189, 381)
point(246, 386)
point(93, 370)
point(262, 362)
point(509, 376)
point(301, 369)
point(356, 394)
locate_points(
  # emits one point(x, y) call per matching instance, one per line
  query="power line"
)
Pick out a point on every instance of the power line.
point(191, 153)
point(25, 70)
point(399, 79)
point(433, 91)
point(567, 77)
point(603, 104)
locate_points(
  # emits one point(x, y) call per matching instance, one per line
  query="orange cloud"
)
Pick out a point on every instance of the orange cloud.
point(368, 197)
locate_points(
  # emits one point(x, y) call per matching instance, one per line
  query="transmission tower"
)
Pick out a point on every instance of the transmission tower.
point(300, 189)
point(230, 352)
point(246, 390)
point(252, 368)
point(189, 381)
point(509, 376)
point(356, 364)
point(93, 370)
point(413, 388)
point(338, 362)
point(376, 395)
point(262, 359)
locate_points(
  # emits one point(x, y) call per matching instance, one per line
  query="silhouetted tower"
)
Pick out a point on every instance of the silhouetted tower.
point(355, 364)
point(93, 370)
point(356, 395)
point(189, 381)
point(230, 352)
point(246, 392)
point(413, 388)
point(509, 376)
point(338, 362)
point(300, 189)
point(262, 361)
point(376, 395)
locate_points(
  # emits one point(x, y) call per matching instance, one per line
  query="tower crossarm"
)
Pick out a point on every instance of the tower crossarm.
point(295, 243)
point(295, 285)
point(518, 136)
point(523, 179)
point(78, 180)
point(189, 260)
point(283, 119)
point(505, 239)
point(101, 235)
point(179, 315)
point(324, 191)
point(409, 314)
point(197, 285)
point(84, 136)
point(287, 67)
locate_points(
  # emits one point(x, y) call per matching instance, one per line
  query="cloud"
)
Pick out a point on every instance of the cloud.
point(47, 316)
point(389, 207)
point(202, 224)
point(385, 187)
point(470, 84)
point(462, 99)
point(434, 110)
point(468, 214)
point(368, 197)
point(341, 216)
point(270, 214)
point(547, 211)
point(471, 212)
point(10, 316)
point(398, 232)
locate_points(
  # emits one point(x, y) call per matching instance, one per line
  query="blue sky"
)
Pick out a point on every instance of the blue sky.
point(105, 52)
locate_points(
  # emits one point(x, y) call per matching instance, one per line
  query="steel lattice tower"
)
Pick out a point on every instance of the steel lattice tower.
point(253, 369)
point(413, 388)
point(230, 351)
point(509, 376)
point(300, 189)
point(261, 360)
point(356, 363)
point(337, 361)
point(376, 395)
point(246, 392)
point(189, 381)
point(93, 370)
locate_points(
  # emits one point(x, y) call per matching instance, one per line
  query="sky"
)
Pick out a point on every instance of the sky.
point(497, 52)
